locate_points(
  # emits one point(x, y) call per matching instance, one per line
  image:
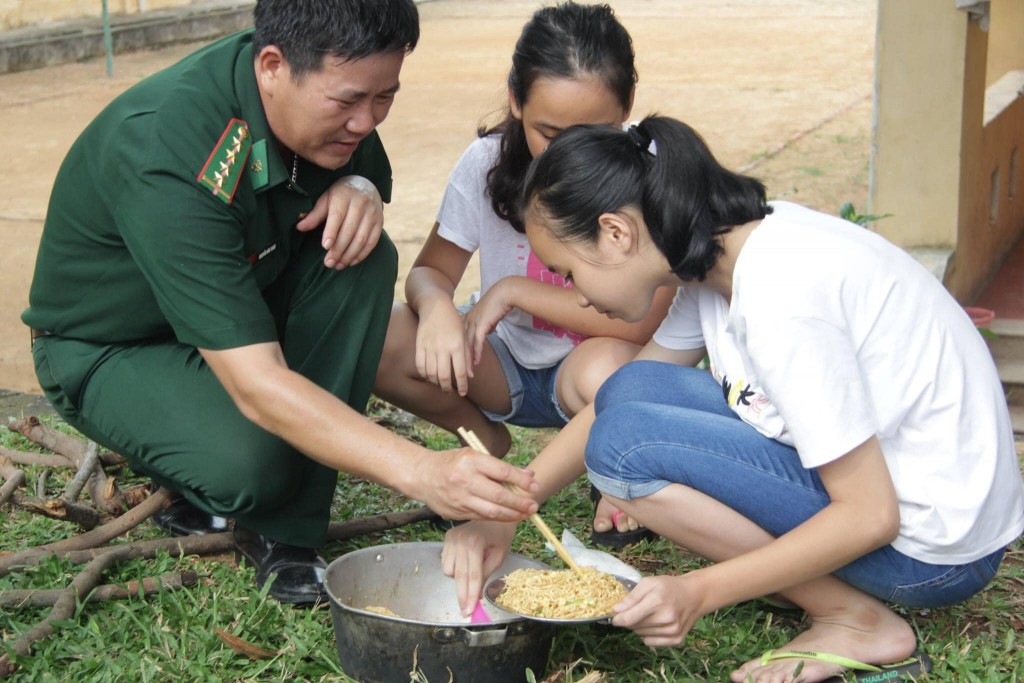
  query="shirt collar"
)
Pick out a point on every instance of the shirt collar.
point(251, 105)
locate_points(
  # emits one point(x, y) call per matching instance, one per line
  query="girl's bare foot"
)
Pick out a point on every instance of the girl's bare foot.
point(870, 633)
point(607, 517)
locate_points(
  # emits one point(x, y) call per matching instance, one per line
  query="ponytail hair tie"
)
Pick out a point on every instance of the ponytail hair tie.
point(643, 141)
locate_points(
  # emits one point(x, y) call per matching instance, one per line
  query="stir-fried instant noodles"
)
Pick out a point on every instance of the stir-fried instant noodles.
point(383, 611)
point(561, 594)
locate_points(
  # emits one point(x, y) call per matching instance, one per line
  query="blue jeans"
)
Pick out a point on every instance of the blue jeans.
point(534, 392)
point(659, 424)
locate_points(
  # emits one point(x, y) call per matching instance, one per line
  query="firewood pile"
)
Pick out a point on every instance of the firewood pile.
point(103, 514)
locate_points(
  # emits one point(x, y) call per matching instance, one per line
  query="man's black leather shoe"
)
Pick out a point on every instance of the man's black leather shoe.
point(298, 573)
point(182, 518)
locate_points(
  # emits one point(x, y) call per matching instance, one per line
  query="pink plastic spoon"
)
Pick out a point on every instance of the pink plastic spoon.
point(479, 615)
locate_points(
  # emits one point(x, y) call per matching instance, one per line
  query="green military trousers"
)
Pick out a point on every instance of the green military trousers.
point(159, 405)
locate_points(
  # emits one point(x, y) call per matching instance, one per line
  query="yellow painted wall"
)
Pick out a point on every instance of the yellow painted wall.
point(1006, 38)
point(22, 13)
point(948, 138)
point(920, 67)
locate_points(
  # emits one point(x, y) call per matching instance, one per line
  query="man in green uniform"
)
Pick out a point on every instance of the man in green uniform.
point(213, 286)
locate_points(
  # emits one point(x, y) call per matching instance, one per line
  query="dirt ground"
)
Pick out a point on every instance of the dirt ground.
point(781, 89)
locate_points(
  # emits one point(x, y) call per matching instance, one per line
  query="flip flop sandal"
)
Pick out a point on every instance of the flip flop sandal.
point(909, 669)
point(613, 538)
point(777, 602)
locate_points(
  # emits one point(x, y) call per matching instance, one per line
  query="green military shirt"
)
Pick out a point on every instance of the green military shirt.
point(173, 211)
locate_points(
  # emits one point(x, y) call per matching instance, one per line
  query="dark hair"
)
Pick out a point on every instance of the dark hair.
point(308, 30)
point(661, 167)
point(568, 40)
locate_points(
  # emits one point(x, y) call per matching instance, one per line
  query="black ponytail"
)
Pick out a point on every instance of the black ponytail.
point(661, 167)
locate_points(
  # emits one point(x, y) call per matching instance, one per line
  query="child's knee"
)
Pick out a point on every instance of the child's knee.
point(607, 439)
point(625, 384)
point(398, 354)
point(401, 332)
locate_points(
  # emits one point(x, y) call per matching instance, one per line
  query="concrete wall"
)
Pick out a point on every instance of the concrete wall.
point(1006, 35)
point(948, 134)
point(920, 67)
point(58, 42)
point(21, 13)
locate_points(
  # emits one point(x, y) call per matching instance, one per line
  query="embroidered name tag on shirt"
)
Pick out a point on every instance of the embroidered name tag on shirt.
point(253, 258)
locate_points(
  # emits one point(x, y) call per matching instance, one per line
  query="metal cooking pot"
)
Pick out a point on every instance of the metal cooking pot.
point(429, 636)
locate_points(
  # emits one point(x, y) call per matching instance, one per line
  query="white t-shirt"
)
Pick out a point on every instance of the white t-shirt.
point(467, 219)
point(835, 335)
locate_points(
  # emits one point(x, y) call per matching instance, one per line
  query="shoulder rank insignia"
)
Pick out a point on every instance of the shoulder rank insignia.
point(224, 168)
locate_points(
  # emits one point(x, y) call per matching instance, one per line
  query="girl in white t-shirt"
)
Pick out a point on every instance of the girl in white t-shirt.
point(525, 353)
point(850, 447)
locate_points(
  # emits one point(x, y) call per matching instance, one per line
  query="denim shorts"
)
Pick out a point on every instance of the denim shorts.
point(659, 424)
point(533, 393)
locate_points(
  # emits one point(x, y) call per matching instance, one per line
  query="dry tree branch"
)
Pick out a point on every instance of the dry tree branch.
point(63, 608)
point(126, 498)
point(116, 527)
point(341, 531)
point(86, 470)
point(84, 516)
point(84, 548)
point(13, 479)
point(76, 451)
point(100, 559)
point(71, 447)
point(96, 537)
point(14, 599)
point(207, 544)
point(90, 474)
point(49, 438)
point(43, 459)
point(102, 489)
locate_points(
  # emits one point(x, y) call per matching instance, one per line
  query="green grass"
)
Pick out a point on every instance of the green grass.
point(173, 636)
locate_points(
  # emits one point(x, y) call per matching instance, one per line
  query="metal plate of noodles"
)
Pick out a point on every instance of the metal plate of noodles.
point(496, 585)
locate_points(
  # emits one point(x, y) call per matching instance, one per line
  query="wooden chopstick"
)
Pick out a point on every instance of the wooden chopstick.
point(476, 444)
